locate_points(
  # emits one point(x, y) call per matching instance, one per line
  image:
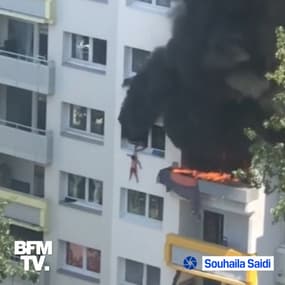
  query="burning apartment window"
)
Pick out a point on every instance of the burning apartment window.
point(154, 141)
point(86, 120)
point(139, 57)
point(139, 273)
point(145, 205)
point(85, 260)
point(85, 191)
point(85, 51)
point(158, 137)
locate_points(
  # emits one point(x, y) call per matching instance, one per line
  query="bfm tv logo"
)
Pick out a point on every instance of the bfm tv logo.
point(33, 252)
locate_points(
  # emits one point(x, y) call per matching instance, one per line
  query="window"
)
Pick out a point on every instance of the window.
point(213, 227)
point(78, 117)
point(139, 57)
point(154, 141)
point(142, 204)
point(142, 274)
point(155, 3)
point(84, 121)
point(97, 122)
point(85, 191)
point(134, 60)
point(85, 50)
point(80, 47)
point(158, 138)
point(82, 259)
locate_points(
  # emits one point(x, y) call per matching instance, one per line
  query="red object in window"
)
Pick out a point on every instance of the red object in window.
point(74, 255)
point(93, 260)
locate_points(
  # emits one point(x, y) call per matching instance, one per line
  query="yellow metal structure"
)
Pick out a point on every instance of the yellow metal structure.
point(207, 249)
point(15, 197)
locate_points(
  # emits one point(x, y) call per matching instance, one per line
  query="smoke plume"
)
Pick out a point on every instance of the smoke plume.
point(208, 81)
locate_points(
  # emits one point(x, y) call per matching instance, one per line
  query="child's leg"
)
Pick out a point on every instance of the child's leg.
point(136, 175)
point(132, 171)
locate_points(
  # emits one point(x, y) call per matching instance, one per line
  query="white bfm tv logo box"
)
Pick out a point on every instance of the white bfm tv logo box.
point(34, 252)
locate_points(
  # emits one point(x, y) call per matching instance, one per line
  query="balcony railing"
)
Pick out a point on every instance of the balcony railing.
point(25, 142)
point(26, 72)
point(40, 11)
point(25, 210)
point(178, 247)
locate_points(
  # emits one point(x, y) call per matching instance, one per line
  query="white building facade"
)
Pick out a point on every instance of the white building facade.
point(65, 167)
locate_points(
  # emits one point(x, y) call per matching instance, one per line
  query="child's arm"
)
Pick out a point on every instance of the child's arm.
point(139, 163)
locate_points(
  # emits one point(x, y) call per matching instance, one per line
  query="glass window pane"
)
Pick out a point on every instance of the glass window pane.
point(134, 272)
point(139, 57)
point(80, 47)
point(97, 122)
point(164, 3)
point(74, 255)
point(153, 275)
point(78, 117)
point(95, 194)
point(136, 202)
point(158, 138)
point(99, 51)
point(155, 207)
point(93, 260)
point(76, 186)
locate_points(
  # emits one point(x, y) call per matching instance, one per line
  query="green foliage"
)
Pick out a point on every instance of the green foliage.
point(268, 161)
point(8, 267)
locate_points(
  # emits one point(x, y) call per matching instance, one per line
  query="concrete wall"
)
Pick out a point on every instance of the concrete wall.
point(114, 236)
point(268, 236)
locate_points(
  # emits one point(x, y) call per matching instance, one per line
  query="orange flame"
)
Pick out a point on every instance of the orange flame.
point(209, 176)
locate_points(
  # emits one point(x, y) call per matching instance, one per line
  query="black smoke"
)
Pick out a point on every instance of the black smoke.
point(208, 81)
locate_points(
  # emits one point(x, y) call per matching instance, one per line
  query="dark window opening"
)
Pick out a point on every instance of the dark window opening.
point(213, 227)
point(99, 51)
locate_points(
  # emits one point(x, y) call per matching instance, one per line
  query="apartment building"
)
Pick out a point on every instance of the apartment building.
point(64, 166)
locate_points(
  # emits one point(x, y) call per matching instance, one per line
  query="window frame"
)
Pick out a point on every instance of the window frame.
point(125, 144)
point(83, 270)
point(68, 58)
point(129, 55)
point(136, 217)
point(84, 202)
point(151, 6)
point(145, 272)
point(88, 130)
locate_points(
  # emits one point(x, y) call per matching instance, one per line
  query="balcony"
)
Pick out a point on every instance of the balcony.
point(40, 11)
point(232, 197)
point(178, 247)
point(26, 72)
point(25, 142)
point(25, 210)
